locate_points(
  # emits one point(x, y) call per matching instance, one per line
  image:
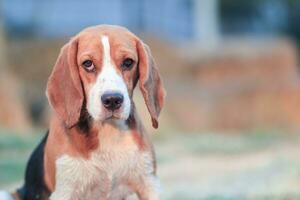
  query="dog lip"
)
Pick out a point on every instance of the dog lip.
point(112, 115)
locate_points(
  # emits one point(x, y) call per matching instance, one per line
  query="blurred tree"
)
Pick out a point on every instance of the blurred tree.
point(293, 27)
point(263, 17)
point(12, 110)
point(2, 46)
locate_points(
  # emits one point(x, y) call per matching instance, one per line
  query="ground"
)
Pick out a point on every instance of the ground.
point(254, 165)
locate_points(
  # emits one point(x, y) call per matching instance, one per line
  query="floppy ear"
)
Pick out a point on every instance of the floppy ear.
point(150, 82)
point(64, 88)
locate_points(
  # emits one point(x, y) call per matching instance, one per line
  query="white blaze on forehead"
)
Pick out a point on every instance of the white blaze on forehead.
point(106, 51)
point(108, 80)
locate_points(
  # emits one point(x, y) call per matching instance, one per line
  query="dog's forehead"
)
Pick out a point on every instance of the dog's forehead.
point(117, 36)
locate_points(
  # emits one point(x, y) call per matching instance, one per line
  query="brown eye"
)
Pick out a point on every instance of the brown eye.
point(127, 63)
point(88, 65)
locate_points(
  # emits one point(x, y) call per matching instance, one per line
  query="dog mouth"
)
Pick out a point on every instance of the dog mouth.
point(112, 115)
point(116, 120)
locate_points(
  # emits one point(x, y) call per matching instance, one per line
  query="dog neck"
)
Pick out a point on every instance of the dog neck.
point(83, 139)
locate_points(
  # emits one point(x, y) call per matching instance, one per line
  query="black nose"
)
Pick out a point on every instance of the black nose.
point(112, 101)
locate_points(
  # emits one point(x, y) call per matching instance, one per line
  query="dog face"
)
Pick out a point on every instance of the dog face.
point(107, 71)
point(98, 70)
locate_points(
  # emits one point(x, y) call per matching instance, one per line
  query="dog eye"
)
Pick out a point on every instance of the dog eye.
point(88, 65)
point(127, 63)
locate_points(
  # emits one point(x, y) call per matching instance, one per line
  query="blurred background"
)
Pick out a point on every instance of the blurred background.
point(230, 127)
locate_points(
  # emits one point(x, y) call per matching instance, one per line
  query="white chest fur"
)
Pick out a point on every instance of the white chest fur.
point(107, 174)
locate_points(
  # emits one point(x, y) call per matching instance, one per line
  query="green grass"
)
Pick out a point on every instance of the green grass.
point(271, 180)
point(15, 150)
point(203, 143)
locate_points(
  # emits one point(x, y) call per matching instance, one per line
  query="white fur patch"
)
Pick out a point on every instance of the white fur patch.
point(107, 81)
point(106, 174)
point(5, 196)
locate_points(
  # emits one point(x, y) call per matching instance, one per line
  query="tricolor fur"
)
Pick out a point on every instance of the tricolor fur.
point(98, 149)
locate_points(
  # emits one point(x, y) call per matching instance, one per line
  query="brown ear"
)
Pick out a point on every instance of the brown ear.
point(150, 82)
point(64, 89)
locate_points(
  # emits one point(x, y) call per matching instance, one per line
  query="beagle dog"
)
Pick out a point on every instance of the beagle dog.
point(96, 147)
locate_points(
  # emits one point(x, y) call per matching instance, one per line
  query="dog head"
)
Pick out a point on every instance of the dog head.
point(97, 71)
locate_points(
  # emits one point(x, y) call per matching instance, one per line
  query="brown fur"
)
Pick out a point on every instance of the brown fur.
point(67, 91)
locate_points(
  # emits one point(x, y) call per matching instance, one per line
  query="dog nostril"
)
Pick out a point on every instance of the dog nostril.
point(112, 101)
point(106, 102)
point(118, 101)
